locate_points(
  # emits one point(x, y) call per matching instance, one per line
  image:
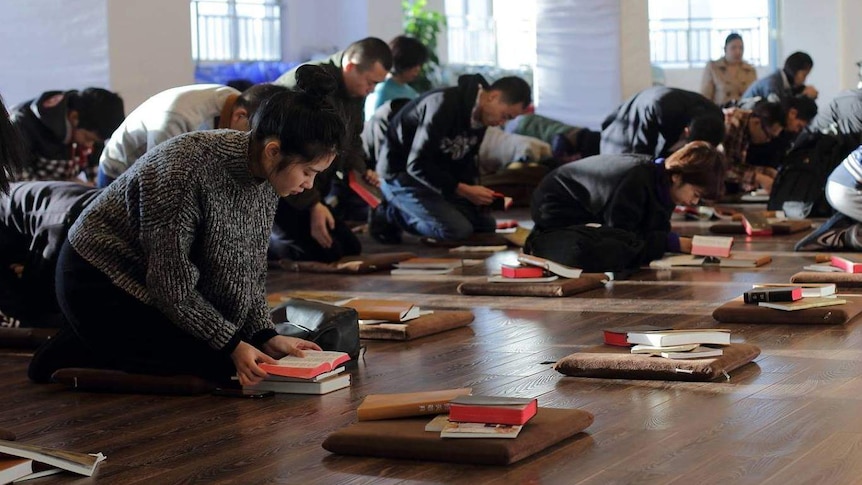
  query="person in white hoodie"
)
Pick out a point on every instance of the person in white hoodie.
point(173, 112)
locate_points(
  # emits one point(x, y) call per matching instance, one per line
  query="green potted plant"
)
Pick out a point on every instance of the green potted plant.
point(424, 26)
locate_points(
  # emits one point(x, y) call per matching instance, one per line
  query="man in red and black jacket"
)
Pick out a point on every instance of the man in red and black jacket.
point(60, 129)
point(427, 160)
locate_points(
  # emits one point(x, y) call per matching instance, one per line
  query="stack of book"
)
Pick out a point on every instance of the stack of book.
point(670, 344)
point(484, 417)
point(407, 404)
point(792, 297)
point(523, 273)
point(25, 462)
point(427, 266)
point(319, 372)
point(372, 311)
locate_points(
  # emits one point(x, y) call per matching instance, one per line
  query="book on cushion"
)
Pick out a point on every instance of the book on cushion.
point(809, 290)
point(667, 338)
point(846, 264)
point(401, 405)
point(313, 364)
point(758, 295)
point(480, 430)
point(716, 246)
point(551, 266)
point(804, 303)
point(492, 409)
point(700, 352)
point(384, 310)
point(618, 336)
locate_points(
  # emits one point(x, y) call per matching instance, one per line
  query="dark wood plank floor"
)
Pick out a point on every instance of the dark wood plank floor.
point(792, 417)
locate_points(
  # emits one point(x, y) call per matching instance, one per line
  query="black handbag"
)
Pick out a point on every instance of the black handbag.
point(331, 327)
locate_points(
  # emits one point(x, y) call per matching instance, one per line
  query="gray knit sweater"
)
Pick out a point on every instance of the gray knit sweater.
point(185, 230)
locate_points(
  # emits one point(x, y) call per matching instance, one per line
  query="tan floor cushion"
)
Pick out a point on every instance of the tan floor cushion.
point(407, 439)
point(841, 280)
point(25, 338)
point(560, 287)
point(737, 311)
point(608, 362)
point(786, 227)
point(439, 321)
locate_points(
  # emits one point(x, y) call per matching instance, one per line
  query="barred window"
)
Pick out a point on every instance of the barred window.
point(498, 33)
point(688, 33)
point(236, 30)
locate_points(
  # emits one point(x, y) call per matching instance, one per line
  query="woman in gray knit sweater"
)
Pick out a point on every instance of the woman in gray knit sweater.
point(164, 273)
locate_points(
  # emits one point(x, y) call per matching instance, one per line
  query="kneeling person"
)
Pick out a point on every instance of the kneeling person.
point(428, 160)
point(631, 196)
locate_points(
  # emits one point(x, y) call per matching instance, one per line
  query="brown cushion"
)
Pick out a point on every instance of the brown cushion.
point(477, 239)
point(122, 382)
point(841, 280)
point(439, 321)
point(25, 338)
point(610, 362)
point(7, 435)
point(785, 227)
point(368, 263)
point(407, 439)
point(737, 311)
point(560, 287)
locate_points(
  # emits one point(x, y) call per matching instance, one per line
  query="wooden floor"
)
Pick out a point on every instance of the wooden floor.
point(792, 417)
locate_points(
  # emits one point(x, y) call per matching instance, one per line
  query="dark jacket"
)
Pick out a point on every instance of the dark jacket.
point(843, 116)
point(777, 84)
point(353, 108)
point(374, 132)
point(432, 141)
point(34, 220)
point(653, 120)
point(45, 131)
point(628, 192)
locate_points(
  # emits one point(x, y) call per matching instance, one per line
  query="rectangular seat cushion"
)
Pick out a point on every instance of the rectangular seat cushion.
point(368, 263)
point(778, 228)
point(841, 280)
point(407, 439)
point(560, 287)
point(609, 362)
point(737, 311)
point(439, 321)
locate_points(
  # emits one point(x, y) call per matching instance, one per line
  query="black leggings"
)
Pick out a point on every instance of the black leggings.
point(108, 328)
point(291, 237)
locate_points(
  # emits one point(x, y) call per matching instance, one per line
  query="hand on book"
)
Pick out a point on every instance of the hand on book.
point(279, 346)
point(685, 245)
point(321, 223)
point(245, 358)
point(372, 178)
point(476, 194)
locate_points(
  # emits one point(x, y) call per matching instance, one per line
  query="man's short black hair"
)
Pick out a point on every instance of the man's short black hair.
point(806, 108)
point(364, 53)
point(99, 110)
point(251, 98)
point(706, 128)
point(798, 61)
point(514, 90)
point(770, 113)
point(407, 53)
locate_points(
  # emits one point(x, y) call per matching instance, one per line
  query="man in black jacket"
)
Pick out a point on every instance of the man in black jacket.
point(34, 220)
point(305, 227)
point(658, 120)
point(60, 129)
point(428, 165)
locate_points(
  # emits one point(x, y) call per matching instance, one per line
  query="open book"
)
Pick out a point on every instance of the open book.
point(313, 364)
point(556, 268)
point(717, 246)
point(80, 463)
point(683, 260)
point(427, 266)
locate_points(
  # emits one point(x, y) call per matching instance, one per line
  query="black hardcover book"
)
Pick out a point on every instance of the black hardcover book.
point(772, 294)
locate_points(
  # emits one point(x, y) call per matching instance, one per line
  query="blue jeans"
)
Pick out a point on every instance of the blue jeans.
point(103, 180)
point(424, 212)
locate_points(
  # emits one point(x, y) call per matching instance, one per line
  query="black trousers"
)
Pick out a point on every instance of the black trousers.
point(291, 237)
point(110, 329)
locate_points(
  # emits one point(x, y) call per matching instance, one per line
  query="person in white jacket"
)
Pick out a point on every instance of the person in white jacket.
point(175, 111)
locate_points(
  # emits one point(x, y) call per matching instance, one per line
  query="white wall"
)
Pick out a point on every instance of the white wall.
point(52, 44)
point(149, 46)
point(317, 28)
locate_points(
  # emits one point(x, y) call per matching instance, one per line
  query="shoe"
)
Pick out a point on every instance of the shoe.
point(380, 228)
point(828, 237)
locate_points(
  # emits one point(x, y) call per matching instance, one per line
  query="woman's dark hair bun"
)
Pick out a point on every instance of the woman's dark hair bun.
point(315, 81)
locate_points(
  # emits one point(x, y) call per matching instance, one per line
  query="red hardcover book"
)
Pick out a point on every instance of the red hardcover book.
point(518, 271)
point(313, 364)
point(756, 225)
point(369, 193)
point(501, 202)
point(849, 266)
point(492, 409)
point(507, 224)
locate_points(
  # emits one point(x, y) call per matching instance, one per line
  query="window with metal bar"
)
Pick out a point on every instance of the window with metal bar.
point(236, 30)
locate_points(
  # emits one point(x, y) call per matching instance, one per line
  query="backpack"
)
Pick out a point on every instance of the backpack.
point(330, 327)
point(806, 169)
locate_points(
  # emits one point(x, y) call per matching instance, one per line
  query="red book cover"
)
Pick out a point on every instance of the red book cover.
point(619, 336)
point(369, 193)
point(847, 265)
point(756, 225)
point(493, 410)
point(517, 271)
point(507, 224)
point(314, 363)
